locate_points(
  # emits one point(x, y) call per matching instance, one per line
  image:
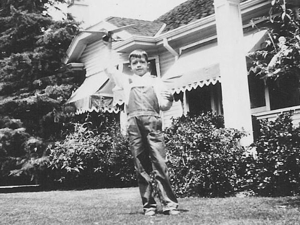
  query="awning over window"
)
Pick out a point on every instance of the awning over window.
point(200, 66)
point(95, 103)
point(95, 94)
point(90, 85)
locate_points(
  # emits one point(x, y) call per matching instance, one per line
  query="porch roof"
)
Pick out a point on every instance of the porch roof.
point(90, 86)
point(200, 66)
point(95, 94)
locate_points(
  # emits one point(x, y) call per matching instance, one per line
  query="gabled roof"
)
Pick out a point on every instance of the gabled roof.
point(140, 27)
point(188, 18)
point(187, 12)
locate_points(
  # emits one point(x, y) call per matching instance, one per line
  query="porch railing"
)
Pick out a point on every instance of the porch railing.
point(272, 114)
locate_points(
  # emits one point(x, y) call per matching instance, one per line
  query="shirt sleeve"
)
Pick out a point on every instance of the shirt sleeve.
point(164, 103)
point(117, 76)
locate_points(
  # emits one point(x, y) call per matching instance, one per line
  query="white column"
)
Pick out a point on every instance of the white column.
point(233, 68)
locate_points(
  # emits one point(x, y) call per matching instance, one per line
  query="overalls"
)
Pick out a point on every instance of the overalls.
point(147, 147)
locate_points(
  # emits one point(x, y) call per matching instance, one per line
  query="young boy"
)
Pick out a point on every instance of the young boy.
point(145, 95)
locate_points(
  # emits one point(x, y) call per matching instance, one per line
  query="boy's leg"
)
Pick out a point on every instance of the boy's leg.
point(158, 158)
point(142, 165)
point(144, 168)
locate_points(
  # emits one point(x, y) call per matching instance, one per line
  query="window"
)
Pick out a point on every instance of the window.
point(284, 93)
point(257, 91)
point(279, 94)
point(203, 99)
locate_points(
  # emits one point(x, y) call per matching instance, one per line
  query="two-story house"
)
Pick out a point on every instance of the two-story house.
point(183, 47)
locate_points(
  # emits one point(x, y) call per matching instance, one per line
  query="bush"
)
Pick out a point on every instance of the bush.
point(92, 157)
point(19, 152)
point(276, 169)
point(203, 158)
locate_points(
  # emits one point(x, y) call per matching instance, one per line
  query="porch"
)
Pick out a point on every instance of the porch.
point(272, 114)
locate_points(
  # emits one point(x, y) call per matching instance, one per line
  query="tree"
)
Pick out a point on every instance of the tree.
point(34, 81)
point(279, 62)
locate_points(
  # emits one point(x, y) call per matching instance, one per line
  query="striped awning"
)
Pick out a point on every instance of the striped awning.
point(96, 94)
point(90, 86)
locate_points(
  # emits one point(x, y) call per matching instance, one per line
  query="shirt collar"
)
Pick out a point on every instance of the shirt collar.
point(146, 75)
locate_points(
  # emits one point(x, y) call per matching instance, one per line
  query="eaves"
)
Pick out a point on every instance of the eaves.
point(249, 9)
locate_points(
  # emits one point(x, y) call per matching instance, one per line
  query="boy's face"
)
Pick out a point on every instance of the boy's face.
point(139, 66)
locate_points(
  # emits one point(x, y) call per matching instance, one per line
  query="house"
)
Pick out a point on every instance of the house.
point(184, 51)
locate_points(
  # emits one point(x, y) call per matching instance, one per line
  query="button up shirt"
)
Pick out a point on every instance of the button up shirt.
point(127, 82)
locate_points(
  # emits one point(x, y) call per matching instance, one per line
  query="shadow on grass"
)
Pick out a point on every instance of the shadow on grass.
point(43, 188)
point(158, 212)
point(292, 202)
point(20, 188)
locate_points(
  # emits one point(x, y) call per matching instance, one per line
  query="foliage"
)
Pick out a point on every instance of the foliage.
point(279, 61)
point(280, 56)
point(92, 156)
point(34, 82)
point(203, 157)
point(275, 171)
point(18, 151)
point(28, 5)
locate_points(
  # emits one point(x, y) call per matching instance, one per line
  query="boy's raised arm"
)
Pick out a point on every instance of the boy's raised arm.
point(112, 71)
point(116, 76)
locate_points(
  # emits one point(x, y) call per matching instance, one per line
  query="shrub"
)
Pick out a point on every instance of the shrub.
point(92, 157)
point(203, 158)
point(276, 169)
point(19, 152)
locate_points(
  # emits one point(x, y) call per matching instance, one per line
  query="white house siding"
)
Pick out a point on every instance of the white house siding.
point(166, 60)
point(94, 57)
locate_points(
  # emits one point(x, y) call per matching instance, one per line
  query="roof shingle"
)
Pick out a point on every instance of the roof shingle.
point(187, 12)
point(140, 27)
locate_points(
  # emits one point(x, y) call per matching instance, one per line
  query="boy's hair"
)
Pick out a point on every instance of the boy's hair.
point(139, 53)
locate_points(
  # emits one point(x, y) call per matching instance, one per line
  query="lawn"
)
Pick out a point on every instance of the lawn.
point(123, 206)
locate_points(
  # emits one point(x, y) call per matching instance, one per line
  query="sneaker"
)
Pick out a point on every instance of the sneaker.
point(172, 212)
point(150, 213)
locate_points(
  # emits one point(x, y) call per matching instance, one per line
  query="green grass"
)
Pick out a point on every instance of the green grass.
point(123, 206)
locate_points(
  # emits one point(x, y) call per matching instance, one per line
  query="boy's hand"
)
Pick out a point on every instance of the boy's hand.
point(167, 95)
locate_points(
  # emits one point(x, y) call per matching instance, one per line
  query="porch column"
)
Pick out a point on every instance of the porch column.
point(233, 68)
